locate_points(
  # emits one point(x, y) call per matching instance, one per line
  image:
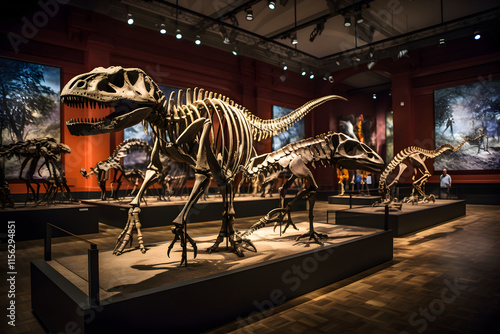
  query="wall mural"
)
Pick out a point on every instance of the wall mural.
point(468, 111)
point(29, 106)
point(293, 134)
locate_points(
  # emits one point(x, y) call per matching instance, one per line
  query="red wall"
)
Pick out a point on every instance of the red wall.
point(78, 41)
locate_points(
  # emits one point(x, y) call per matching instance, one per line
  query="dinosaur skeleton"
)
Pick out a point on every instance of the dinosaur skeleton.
point(30, 152)
point(102, 168)
point(416, 157)
point(208, 131)
point(328, 149)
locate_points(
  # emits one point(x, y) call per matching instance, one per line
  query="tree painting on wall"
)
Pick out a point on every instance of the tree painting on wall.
point(29, 105)
point(294, 133)
point(468, 111)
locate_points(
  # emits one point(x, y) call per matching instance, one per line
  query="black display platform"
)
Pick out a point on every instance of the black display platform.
point(356, 200)
point(31, 220)
point(141, 294)
point(160, 213)
point(410, 219)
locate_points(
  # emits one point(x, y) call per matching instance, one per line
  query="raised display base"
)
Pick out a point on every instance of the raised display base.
point(160, 213)
point(356, 199)
point(146, 293)
point(31, 220)
point(410, 219)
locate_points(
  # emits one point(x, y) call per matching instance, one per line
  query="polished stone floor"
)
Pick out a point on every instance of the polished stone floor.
point(445, 279)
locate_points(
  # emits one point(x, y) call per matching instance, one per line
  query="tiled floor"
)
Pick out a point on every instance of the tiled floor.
point(445, 279)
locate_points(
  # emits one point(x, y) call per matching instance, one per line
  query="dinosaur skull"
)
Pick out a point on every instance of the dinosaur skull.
point(130, 92)
point(353, 154)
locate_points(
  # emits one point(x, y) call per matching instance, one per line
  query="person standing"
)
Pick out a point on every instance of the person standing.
point(445, 183)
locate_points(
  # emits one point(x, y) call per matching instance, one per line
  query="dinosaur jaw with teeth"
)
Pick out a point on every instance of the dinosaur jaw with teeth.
point(126, 113)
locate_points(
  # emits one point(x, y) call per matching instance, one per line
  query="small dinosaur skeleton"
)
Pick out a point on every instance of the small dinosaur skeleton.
point(102, 168)
point(30, 152)
point(328, 149)
point(208, 131)
point(416, 157)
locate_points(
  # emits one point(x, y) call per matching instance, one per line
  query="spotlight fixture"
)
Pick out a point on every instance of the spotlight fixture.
point(347, 21)
point(294, 38)
point(178, 34)
point(338, 63)
point(284, 66)
point(271, 4)
point(370, 64)
point(235, 51)
point(311, 75)
point(402, 53)
point(130, 19)
point(249, 12)
point(225, 37)
point(374, 96)
point(303, 72)
point(317, 31)
point(330, 78)
point(442, 43)
point(359, 18)
point(197, 40)
point(477, 35)
point(163, 29)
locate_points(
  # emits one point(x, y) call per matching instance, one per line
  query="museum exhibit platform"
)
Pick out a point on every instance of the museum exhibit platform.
point(409, 219)
point(31, 220)
point(160, 213)
point(146, 293)
point(354, 200)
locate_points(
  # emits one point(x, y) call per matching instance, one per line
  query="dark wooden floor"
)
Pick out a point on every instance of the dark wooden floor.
point(445, 279)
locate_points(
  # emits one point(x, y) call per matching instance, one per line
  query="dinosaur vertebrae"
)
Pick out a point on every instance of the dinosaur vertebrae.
point(311, 150)
point(409, 151)
point(122, 150)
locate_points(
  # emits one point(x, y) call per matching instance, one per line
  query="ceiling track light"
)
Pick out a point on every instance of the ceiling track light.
point(197, 40)
point(330, 79)
point(370, 64)
point(311, 75)
point(477, 35)
point(163, 29)
point(249, 15)
point(235, 51)
point(347, 21)
point(442, 42)
point(374, 96)
point(284, 66)
point(130, 19)
point(178, 34)
point(271, 4)
point(294, 39)
point(303, 72)
point(359, 18)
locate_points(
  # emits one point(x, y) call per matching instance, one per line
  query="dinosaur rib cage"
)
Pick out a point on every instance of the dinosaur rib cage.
point(230, 134)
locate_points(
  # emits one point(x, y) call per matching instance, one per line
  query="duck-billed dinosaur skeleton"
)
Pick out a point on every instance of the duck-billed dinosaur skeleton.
point(416, 157)
point(327, 149)
point(208, 131)
point(102, 168)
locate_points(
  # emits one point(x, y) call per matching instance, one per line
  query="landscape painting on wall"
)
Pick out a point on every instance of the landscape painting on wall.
point(29, 107)
point(294, 133)
point(468, 111)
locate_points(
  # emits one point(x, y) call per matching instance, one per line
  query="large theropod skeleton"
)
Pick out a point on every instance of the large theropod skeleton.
point(325, 149)
point(208, 131)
